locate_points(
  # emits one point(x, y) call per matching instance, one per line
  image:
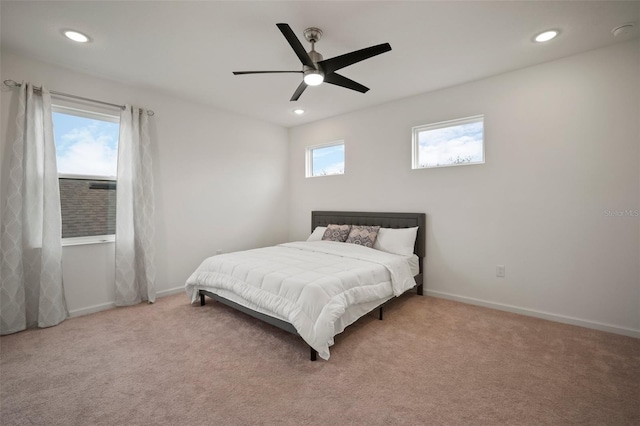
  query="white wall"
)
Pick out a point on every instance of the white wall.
point(562, 146)
point(221, 181)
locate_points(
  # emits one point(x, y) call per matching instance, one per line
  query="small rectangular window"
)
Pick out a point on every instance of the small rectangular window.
point(325, 160)
point(449, 143)
point(87, 157)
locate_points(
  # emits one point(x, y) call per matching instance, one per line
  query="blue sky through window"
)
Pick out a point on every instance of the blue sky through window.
point(328, 160)
point(85, 146)
point(457, 144)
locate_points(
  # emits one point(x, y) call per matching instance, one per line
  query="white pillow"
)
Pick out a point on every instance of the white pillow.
point(397, 241)
point(317, 233)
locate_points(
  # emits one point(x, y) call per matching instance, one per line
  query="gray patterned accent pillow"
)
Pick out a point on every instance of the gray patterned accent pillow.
point(363, 235)
point(337, 233)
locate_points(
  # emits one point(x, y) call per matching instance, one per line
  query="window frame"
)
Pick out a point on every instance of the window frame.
point(92, 115)
point(415, 143)
point(309, 158)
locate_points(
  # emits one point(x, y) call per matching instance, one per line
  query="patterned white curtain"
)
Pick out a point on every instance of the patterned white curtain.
point(135, 273)
point(32, 293)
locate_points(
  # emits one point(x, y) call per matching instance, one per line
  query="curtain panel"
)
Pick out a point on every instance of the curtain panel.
point(31, 290)
point(135, 272)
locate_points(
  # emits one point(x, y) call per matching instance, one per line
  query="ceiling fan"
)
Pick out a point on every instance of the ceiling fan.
point(316, 69)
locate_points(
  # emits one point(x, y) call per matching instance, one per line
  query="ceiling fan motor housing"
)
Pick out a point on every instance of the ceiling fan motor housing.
point(315, 58)
point(317, 71)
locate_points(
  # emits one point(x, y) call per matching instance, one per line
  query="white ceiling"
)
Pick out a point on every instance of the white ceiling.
point(189, 49)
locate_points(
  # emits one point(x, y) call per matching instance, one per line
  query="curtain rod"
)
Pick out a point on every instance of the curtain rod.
point(12, 83)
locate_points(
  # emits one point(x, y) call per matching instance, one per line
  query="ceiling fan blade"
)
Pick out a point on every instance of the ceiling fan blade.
point(288, 33)
point(264, 72)
point(339, 80)
point(298, 91)
point(333, 64)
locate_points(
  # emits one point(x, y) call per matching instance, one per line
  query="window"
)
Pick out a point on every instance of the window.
point(449, 143)
point(87, 156)
point(325, 160)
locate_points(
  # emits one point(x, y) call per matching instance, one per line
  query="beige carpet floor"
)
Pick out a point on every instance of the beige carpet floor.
point(431, 361)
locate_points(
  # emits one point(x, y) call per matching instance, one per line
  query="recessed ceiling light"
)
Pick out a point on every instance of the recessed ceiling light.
point(76, 36)
point(298, 111)
point(546, 36)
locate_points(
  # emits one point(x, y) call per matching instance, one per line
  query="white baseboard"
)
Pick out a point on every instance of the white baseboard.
point(537, 314)
point(91, 309)
point(171, 291)
point(110, 305)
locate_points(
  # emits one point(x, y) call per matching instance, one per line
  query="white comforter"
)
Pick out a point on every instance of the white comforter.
point(308, 284)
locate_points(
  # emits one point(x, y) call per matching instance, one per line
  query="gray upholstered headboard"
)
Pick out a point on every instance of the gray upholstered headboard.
point(385, 220)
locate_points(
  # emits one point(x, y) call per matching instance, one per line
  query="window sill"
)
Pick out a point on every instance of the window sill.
point(320, 176)
point(93, 239)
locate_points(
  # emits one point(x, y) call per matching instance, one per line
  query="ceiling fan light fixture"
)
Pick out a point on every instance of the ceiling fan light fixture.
point(313, 78)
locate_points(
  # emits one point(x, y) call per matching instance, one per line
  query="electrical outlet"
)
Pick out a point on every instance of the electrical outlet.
point(500, 271)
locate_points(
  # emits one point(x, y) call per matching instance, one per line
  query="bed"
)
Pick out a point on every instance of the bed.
point(315, 289)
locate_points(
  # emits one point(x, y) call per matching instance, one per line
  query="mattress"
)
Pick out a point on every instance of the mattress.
point(318, 287)
point(414, 264)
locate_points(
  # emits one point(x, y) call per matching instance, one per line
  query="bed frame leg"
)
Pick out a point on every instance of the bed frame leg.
point(314, 354)
point(419, 290)
point(201, 299)
point(380, 314)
